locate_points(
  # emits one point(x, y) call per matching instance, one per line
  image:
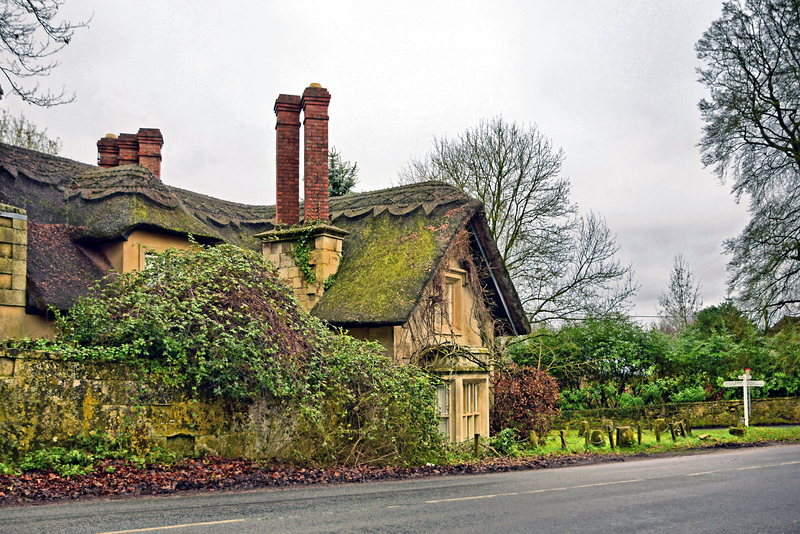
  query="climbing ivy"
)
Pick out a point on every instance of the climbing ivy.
point(220, 321)
point(302, 253)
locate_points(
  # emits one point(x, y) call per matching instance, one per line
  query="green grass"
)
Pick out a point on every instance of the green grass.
point(699, 438)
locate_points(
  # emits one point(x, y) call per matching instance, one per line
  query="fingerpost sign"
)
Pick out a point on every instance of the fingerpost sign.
point(745, 383)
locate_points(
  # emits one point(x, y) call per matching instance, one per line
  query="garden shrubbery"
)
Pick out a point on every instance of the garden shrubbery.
point(612, 362)
point(219, 321)
point(525, 400)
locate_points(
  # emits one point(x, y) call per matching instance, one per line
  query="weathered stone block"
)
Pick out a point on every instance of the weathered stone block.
point(18, 282)
point(625, 436)
point(286, 262)
point(584, 428)
point(19, 252)
point(597, 438)
point(7, 366)
point(9, 297)
point(660, 424)
point(6, 250)
point(181, 444)
point(14, 236)
point(8, 266)
point(19, 267)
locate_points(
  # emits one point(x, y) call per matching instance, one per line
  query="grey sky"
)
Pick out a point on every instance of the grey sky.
point(611, 82)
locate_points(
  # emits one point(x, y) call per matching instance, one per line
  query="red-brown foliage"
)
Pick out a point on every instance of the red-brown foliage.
point(525, 400)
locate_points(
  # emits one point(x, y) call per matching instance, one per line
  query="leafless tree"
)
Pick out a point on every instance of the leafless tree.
point(679, 305)
point(30, 35)
point(751, 67)
point(19, 131)
point(562, 264)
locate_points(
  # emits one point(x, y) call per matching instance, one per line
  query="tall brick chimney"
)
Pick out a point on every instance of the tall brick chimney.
point(315, 161)
point(309, 280)
point(150, 143)
point(287, 156)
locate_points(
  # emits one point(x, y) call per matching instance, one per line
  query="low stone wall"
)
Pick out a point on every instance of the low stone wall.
point(45, 400)
point(699, 414)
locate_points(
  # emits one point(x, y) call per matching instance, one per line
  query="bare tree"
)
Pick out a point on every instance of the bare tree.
point(562, 264)
point(30, 35)
point(765, 258)
point(681, 302)
point(19, 131)
point(751, 67)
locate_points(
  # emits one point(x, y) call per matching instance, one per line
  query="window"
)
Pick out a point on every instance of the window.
point(443, 391)
point(449, 316)
point(471, 409)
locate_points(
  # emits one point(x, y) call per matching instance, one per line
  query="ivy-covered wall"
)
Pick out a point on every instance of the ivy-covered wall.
point(46, 401)
point(700, 414)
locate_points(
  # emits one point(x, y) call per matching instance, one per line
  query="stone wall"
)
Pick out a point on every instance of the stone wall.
point(700, 414)
point(47, 401)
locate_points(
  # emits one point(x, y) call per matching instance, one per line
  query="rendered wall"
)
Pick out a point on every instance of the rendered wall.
point(46, 401)
point(130, 255)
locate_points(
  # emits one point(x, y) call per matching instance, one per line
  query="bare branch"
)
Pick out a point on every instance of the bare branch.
point(29, 36)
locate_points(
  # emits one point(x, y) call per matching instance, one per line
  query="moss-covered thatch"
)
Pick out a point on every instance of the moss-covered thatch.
point(391, 252)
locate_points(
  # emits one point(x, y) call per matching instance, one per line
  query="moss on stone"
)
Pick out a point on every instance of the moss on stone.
point(48, 401)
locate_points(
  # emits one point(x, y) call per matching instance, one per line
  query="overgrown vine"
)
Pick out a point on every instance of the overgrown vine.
point(303, 247)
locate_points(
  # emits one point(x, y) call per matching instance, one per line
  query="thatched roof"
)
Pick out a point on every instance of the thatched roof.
point(397, 237)
point(60, 271)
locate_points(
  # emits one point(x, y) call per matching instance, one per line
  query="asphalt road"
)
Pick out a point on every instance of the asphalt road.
point(747, 490)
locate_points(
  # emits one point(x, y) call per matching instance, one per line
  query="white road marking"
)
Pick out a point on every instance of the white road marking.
point(492, 496)
point(152, 529)
point(740, 469)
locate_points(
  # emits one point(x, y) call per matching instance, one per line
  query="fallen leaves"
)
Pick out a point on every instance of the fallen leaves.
point(119, 478)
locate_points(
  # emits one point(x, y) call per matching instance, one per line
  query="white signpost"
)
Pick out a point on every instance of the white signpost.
point(745, 383)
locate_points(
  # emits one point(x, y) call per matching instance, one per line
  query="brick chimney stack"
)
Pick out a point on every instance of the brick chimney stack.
point(315, 161)
point(150, 142)
point(287, 155)
point(143, 148)
point(128, 149)
point(108, 151)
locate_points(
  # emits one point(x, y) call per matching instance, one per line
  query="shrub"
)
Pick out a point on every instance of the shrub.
point(361, 407)
point(525, 400)
point(689, 394)
point(217, 318)
point(504, 443)
point(626, 400)
point(62, 461)
point(220, 321)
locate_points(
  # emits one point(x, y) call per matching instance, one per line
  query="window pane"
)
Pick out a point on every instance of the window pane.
point(444, 399)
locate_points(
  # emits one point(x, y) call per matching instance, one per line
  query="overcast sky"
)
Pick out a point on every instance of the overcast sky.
point(613, 83)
